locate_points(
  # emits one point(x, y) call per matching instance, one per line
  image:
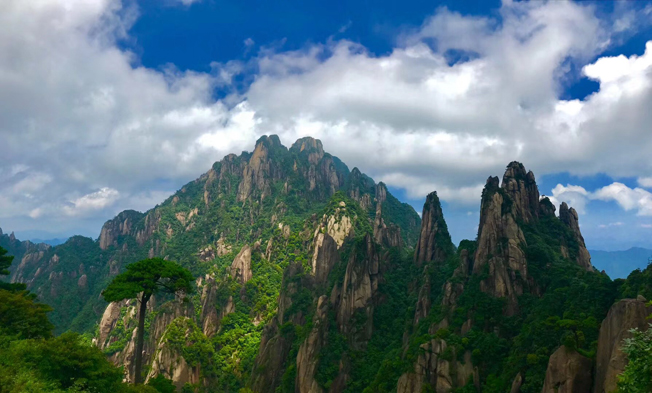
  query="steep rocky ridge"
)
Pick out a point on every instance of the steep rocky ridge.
point(309, 281)
point(241, 227)
point(485, 291)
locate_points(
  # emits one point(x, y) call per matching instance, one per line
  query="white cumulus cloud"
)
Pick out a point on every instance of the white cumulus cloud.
point(627, 198)
point(80, 114)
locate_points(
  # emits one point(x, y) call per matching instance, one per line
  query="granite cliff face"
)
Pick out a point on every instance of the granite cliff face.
point(498, 264)
point(342, 310)
point(313, 278)
point(434, 244)
point(568, 372)
point(261, 230)
point(623, 316)
point(501, 243)
point(569, 217)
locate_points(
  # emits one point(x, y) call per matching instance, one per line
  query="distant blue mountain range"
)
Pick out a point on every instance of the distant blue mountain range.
point(618, 264)
point(52, 242)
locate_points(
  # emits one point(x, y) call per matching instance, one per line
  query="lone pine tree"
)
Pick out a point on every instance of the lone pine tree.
point(147, 277)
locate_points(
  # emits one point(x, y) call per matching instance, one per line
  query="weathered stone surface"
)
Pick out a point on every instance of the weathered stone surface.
point(516, 384)
point(339, 227)
point(388, 236)
point(121, 225)
point(623, 316)
point(569, 217)
point(313, 147)
point(241, 266)
point(358, 289)
point(274, 346)
point(439, 374)
point(325, 256)
point(308, 355)
point(522, 188)
point(361, 188)
point(210, 317)
point(82, 283)
point(434, 243)
point(260, 170)
point(222, 247)
point(499, 246)
point(170, 363)
point(568, 372)
point(125, 357)
point(108, 322)
point(546, 208)
point(321, 173)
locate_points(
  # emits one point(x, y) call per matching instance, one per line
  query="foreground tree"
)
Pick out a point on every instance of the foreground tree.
point(147, 277)
point(21, 316)
point(637, 376)
point(5, 262)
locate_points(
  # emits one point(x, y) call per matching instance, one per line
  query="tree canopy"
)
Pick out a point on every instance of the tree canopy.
point(5, 262)
point(149, 276)
point(637, 376)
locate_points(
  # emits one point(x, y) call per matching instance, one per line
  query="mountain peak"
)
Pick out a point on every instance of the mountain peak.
point(521, 186)
point(307, 142)
point(269, 141)
point(434, 244)
point(311, 146)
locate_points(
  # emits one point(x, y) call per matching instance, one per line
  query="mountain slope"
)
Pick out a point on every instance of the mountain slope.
point(313, 278)
point(237, 228)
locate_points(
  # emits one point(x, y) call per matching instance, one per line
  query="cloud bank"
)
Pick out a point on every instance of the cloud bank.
point(89, 131)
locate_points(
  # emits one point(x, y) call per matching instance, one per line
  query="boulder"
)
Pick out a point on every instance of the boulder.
point(568, 372)
point(623, 316)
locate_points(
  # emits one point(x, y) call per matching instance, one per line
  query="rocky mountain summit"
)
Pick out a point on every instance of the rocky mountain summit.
point(313, 278)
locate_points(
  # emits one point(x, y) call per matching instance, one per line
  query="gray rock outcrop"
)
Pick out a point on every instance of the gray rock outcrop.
point(623, 316)
point(568, 372)
point(241, 266)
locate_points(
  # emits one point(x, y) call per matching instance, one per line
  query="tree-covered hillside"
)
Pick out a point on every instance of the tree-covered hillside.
point(309, 277)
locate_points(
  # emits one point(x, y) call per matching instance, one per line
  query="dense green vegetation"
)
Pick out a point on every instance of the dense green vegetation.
point(207, 223)
point(637, 377)
point(32, 360)
point(568, 311)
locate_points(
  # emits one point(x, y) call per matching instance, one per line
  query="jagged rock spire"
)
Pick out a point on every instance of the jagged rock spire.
point(522, 188)
point(260, 170)
point(501, 241)
point(569, 217)
point(434, 243)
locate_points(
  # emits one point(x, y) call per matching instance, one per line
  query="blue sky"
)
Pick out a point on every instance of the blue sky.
point(110, 104)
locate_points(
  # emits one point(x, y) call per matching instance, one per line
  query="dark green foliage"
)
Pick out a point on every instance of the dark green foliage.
point(54, 365)
point(59, 287)
point(637, 376)
point(22, 317)
point(331, 354)
point(639, 282)
point(162, 384)
point(378, 368)
point(149, 276)
point(5, 262)
point(403, 215)
point(568, 312)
